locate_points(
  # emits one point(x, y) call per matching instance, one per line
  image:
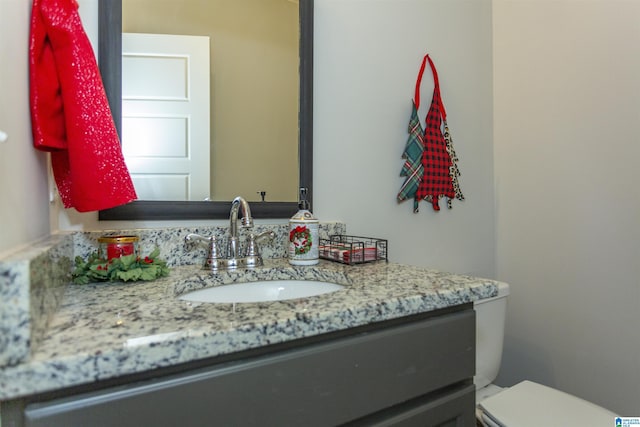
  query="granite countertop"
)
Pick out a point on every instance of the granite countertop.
point(107, 330)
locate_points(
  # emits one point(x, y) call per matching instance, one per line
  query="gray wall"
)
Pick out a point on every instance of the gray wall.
point(367, 59)
point(567, 110)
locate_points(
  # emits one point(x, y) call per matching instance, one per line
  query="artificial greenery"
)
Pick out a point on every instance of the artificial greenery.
point(126, 268)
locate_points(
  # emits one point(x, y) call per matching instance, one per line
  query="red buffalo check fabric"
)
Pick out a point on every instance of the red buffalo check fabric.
point(430, 156)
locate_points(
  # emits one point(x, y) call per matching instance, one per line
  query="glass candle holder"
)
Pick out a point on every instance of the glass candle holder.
point(117, 246)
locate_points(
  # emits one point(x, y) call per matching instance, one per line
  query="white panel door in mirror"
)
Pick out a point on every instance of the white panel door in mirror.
point(165, 115)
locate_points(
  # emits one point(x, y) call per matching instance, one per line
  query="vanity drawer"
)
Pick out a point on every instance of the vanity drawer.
point(320, 384)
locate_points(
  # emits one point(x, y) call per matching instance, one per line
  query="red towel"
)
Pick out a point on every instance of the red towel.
point(70, 114)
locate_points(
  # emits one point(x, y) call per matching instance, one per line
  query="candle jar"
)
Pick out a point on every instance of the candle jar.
point(117, 246)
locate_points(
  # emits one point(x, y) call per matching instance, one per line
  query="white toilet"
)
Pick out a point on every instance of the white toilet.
point(526, 404)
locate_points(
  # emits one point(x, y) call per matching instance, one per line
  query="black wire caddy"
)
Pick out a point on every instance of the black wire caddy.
point(352, 250)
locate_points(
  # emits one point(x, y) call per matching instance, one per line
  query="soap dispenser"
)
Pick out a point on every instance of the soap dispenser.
point(303, 234)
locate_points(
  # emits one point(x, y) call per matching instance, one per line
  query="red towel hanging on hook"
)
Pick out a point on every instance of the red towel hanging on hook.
point(70, 114)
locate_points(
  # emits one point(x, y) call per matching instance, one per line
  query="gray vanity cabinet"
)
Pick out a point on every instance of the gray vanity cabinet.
point(415, 371)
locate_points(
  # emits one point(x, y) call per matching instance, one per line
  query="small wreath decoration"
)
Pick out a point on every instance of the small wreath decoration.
point(302, 235)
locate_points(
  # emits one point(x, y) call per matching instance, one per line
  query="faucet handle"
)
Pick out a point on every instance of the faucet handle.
point(192, 238)
point(213, 255)
point(213, 249)
point(252, 244)
point(265, 236)
point(252, 252)
point(252, 247)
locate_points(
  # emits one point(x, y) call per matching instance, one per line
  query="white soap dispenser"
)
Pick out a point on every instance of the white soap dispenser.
point(303, 234)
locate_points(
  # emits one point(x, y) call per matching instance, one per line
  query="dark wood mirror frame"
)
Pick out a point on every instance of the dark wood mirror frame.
point(110, 60)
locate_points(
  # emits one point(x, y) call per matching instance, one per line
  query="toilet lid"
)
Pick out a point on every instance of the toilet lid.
point(529, 404)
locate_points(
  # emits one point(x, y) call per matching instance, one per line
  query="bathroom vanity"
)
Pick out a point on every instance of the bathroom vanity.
point(395, 346)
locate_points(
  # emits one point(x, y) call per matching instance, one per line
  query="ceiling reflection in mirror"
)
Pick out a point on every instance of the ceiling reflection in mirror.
point(226, 121)
point(251, 128)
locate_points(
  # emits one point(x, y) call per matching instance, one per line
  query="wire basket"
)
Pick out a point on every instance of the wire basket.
point(353, 249)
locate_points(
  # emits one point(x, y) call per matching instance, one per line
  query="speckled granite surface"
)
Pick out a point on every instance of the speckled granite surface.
point(102, 331)
point(171, 240)
point(32, 282)
point(33, 279)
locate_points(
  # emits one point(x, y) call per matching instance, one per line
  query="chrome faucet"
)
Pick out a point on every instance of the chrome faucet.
point(247, 222)
point(232, 259)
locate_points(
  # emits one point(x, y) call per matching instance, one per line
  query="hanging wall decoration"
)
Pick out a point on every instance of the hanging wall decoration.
point(70, 115)
point(430, 166)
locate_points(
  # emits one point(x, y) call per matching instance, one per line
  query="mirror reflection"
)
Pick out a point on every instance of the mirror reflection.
point(210, 98)
point(110, 60)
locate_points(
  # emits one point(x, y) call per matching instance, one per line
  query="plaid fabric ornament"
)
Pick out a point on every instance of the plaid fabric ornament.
point(430, 161)
point(412, 168)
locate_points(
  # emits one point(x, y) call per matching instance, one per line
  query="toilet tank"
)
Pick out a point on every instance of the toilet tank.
point(490, 320)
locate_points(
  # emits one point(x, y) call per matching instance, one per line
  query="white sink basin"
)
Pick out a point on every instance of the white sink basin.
point(268, 290)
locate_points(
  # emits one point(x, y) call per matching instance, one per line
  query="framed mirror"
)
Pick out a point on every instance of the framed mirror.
point(110, 60)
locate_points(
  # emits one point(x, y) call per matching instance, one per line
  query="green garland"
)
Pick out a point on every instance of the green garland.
point(126, 268)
